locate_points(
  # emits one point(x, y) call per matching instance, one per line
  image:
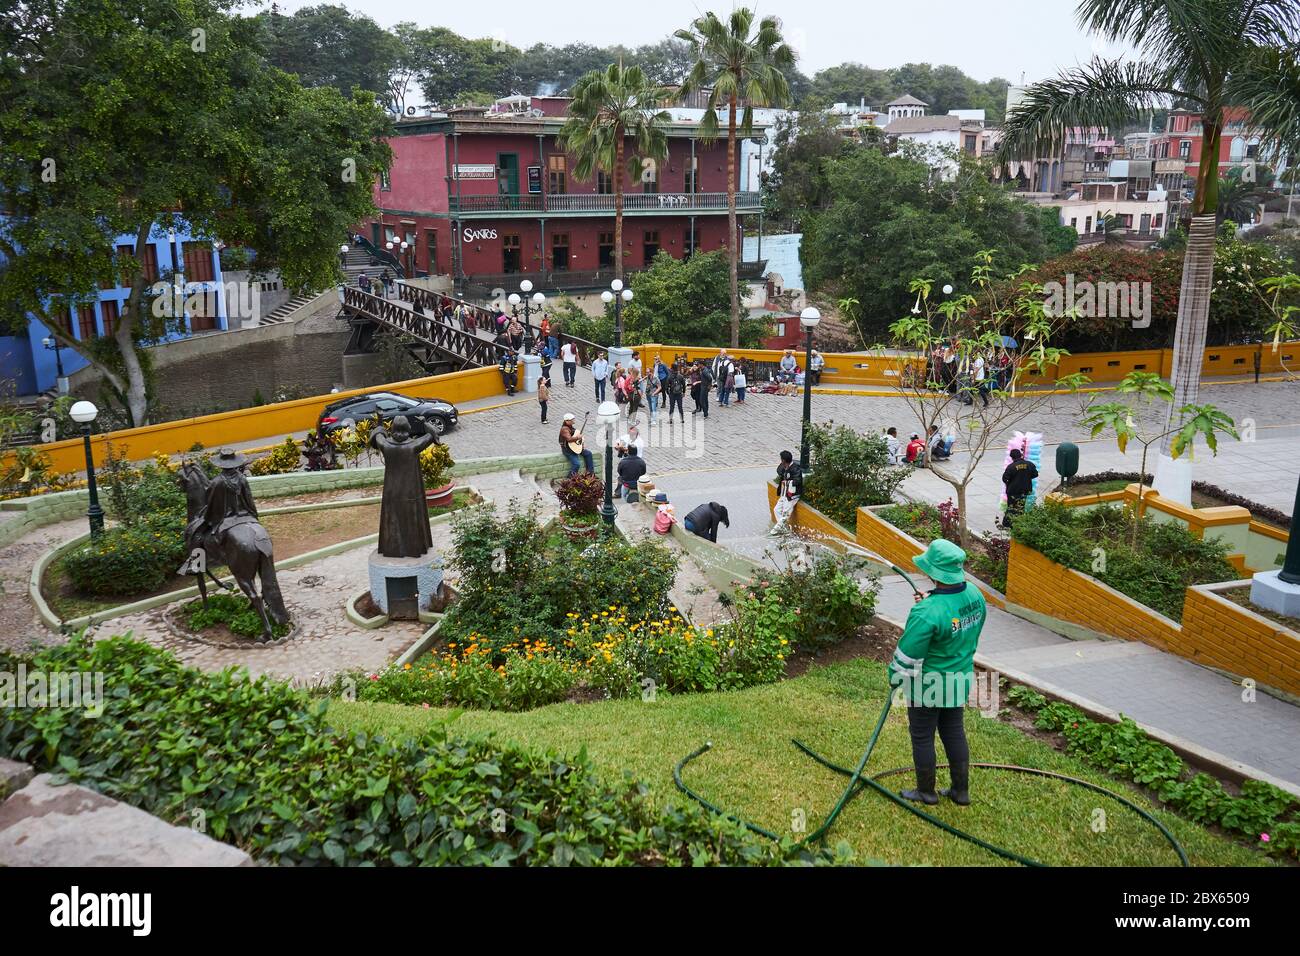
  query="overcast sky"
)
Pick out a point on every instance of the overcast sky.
point(984, 39)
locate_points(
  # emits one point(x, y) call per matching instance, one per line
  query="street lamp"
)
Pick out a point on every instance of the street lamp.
point(530, 305)
point(808, 319)
point(618, 296)
point(84, 412)
point(50, 342)
point(607, 415)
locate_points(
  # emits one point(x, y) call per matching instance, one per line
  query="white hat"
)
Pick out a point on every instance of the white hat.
point(570, 417)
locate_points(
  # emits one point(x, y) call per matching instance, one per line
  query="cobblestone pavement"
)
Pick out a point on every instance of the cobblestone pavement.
point(324, 642)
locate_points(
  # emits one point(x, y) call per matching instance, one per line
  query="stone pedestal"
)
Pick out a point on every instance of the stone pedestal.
point(530, 370)
point(1270, 592)
point(402, 587)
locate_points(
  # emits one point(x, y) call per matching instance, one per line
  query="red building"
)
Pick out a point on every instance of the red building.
point(487, 197)
point(1177, 151)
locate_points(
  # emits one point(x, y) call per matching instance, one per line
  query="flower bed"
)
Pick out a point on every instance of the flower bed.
point(988, 554)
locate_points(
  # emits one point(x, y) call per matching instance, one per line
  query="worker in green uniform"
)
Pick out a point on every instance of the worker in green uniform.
point(934, 666)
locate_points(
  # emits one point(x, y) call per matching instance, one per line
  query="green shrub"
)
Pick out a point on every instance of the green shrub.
point(129, 559)
point(1166, 560)
point(236, 612)
point(827, 602)
point(849, 470)
point(262, 765)
point(285, 459)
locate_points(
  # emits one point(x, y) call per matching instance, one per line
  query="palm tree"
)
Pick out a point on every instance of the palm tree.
point(608, 108)
point(734, 63)
point(1240, 200)
point(1206, 54)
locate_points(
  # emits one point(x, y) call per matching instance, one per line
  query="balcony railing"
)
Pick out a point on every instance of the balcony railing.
point(484, 284)
point(601, 202)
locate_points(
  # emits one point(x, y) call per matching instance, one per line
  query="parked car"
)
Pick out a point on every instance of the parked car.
point(432, 414)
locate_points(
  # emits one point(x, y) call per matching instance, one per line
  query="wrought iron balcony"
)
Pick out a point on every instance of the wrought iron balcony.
point(600, 203)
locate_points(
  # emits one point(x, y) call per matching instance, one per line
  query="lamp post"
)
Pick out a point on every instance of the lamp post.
point(61, 380)
point(808, 319)
point(607, 414)
point(84, 413)
point(618, 295)
point(538, 301)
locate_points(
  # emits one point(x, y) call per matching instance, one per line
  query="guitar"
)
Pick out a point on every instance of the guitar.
point(575, 445)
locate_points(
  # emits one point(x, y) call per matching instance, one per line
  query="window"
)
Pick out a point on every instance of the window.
point(86, 322)
point(605, 243)
point(109, 309)
point(118, 278)
point(198, 262)
point(604, 182)
point(431, 251)
point(560, 251)
point(60, 319)
point(384, 183)
point(650, 245)
point(1159, 220)
point(149, 262)
point(1252, 151)
point(693, 175)
point(1185, 149)
point(650, 177)
point(1074, 223)
point(780, 330)
point(1087, 225)
point(557, 174)
point(970, 143)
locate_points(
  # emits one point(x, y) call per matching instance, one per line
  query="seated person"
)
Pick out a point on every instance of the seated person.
point(703, 520)
point(632, 439)
point(630, 469)
point(940, 448)
point(915, 454)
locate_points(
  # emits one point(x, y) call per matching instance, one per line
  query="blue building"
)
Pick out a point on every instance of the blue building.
point(24, 359)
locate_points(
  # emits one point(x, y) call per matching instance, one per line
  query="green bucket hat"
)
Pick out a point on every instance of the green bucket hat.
point(943, 562)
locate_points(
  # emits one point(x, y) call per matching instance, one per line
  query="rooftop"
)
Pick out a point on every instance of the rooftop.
point(907, 99)
point(922, 124)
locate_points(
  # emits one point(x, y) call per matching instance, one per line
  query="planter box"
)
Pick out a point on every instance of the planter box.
point(1214, 632)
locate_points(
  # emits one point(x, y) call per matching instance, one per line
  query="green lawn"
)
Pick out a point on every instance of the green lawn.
point(755, 772)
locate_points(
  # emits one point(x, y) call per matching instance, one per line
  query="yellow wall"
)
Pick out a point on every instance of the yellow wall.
point(1214, 631)
point(264, 421)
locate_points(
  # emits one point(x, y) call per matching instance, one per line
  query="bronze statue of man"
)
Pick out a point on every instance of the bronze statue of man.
point(229, 500)
point(403, 515)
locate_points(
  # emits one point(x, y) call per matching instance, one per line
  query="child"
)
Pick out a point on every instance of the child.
point(543, 395)
point(740, 386)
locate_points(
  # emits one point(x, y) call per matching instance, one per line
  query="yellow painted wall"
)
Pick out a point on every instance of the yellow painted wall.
point(250, 424)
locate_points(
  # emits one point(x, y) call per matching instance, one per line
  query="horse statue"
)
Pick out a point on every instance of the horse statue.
point(234, 538)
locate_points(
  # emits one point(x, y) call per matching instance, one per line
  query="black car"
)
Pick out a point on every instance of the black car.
point(432, 414)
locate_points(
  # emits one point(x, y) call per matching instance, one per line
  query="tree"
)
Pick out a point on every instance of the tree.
point(684, 302)
point(798, 183)
point(1209, 54)
point(208, 138)
point(1205, 421)
point(328, 45)
point(736, 63)
point(1240, 200)
point(453, 67)
point(608, 108)
point(975, 325)
point(914, 224)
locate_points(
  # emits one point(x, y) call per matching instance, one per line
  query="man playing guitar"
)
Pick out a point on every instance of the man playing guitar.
point(571, 444)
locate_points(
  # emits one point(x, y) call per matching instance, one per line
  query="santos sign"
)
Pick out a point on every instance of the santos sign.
point(470, 235)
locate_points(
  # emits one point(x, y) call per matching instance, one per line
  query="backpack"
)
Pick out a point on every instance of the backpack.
point(706, 377)
point(676, 387)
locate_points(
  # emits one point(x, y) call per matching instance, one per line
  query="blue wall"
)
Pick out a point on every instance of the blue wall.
point(32, 366)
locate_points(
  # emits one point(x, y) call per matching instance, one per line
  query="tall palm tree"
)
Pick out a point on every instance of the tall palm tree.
point(1202, 54)
point(609, 107)
point(734, 62)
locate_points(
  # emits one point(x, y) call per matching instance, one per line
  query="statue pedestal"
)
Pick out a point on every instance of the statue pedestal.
point(403, 587)
point(530, 370)
point(1268, 591)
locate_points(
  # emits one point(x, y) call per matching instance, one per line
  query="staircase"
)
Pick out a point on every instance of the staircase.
point(356, 262)
point(280, 313)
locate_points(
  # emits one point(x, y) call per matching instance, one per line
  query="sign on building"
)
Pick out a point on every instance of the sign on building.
point(476, 171)
point(534, 179)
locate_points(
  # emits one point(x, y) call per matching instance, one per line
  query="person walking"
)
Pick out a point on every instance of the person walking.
point(933, 666)
point(363, 282)
point(516, 332)
point(706, 386)
point(569, 436)
point(543, 395)
point(569, 361)
point(1018, 478)
point(599, 373)
point(693, 380)
point(654, 391)
point(739, 382)
point(980, 379)
point(789, 488)
point(469, 321)
point(704, 519)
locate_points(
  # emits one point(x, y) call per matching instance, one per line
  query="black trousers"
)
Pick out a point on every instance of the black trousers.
point(922, 723)
point(675, 401)
point(543, 404)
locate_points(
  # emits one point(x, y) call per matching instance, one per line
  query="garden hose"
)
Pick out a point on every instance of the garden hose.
point(857, 783)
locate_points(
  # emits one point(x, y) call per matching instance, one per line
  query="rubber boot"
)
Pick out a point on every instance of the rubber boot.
point(924, 792)
point(959, 792)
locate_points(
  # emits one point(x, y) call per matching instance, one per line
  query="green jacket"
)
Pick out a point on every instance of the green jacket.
point(940, 638)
